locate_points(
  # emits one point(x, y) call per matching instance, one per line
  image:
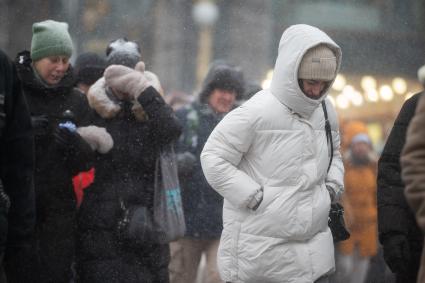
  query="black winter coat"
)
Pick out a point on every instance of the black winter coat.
point(203, 206)
point(125, 173)
point(394, 214)
point(54, 169)
point(17, 162)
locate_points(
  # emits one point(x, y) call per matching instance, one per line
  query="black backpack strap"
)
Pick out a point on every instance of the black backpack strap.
point(328, 134)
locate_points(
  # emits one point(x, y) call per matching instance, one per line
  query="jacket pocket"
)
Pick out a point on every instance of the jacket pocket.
point(277, 216)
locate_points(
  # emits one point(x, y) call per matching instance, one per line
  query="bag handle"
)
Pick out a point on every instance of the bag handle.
point(328, 134)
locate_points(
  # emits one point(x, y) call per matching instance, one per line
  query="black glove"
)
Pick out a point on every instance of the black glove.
point(76, 151)
point(40, 123)
point(397, 252)
point(68, 141)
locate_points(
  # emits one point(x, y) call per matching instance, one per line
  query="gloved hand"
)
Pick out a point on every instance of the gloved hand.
point(40, 123)
point(67, 140)
point(256, 199)
point(126, 83)
point(396, 252)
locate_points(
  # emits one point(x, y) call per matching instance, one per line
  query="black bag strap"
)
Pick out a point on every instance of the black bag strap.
point(328, 134)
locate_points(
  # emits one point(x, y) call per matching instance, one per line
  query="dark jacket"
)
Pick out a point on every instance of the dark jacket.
point(125, 172)
point(413, 171)
point(394, 215)
point(17, 161)
point(203, 206)
point(54, 168)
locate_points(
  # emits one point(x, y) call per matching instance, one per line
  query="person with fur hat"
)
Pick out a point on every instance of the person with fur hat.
point(202, 205)
point(127, 102)
point(60, 151)
point(270, 160)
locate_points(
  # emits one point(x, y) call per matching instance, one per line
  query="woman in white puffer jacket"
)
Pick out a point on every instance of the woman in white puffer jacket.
point(269, 160)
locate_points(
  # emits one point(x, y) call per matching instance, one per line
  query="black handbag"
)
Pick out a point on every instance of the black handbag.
point(336, 220)
point(135, 227)
point(336, 223)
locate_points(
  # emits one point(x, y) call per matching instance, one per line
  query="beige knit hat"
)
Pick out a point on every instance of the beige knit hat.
point(318, 63)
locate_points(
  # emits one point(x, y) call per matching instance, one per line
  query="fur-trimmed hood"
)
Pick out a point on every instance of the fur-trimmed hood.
point(107, 105)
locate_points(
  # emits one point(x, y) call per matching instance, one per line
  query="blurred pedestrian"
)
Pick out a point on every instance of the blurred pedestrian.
point(60, 152)
point(359, 201)
point(17, 209)
point(413, 172)
point(202, 205)
point(270, 160)
point(178, 99)
point(399, 234)
point(138, 125)
point(89, 67)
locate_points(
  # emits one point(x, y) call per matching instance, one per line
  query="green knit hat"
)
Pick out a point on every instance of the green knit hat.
point(50, 38)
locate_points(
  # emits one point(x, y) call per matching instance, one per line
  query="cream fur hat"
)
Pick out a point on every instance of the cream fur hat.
point(319, 63)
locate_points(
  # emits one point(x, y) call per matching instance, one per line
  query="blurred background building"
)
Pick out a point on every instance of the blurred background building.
point(383, 41)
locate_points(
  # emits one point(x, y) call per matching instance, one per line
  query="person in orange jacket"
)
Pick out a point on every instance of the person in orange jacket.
point(359, 202)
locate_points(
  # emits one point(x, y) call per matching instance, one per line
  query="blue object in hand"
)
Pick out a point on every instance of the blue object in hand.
point(68, 118)
point(68, 125)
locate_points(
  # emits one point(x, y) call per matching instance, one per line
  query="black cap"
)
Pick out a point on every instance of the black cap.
point(222, 75)
point(89, 67)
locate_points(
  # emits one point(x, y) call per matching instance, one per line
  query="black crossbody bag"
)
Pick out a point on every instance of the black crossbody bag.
point(336, 220)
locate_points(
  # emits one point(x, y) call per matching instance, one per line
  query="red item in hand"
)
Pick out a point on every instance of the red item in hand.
point(80, 182)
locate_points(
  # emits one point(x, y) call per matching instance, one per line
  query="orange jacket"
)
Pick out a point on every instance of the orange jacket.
point(360, 209)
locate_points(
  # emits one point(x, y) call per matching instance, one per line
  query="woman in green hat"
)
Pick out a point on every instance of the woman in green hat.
point(60, 152)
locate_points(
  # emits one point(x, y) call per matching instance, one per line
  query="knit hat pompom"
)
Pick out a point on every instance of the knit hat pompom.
point(222, 76)
point(318, 63)
point(123, 52)
point(89, 68)
point(50, 38)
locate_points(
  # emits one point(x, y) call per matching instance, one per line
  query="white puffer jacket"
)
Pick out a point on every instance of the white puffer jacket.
point(277, 140)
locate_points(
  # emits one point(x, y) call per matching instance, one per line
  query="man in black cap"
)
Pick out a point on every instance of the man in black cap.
point(88, 69)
